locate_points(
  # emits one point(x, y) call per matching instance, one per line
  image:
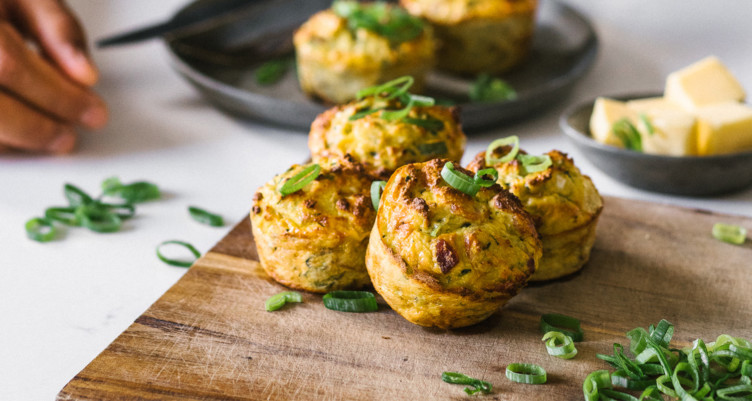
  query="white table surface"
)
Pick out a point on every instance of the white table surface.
point(63, 302)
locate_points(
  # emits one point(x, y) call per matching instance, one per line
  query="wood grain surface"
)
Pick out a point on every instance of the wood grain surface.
point(209, 338)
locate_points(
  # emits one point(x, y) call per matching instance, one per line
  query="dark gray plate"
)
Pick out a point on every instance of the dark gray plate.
point(563, 49)
point(690, 175)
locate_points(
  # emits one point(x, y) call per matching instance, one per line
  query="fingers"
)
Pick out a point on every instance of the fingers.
point(29, 77)
point(60, 36)
point(31, 130)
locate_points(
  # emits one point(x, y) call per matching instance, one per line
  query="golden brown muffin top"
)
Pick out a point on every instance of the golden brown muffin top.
point(383, 145)
point(482, 246)
point(327, 36)
point(336, 203)
point(449, 12)
point(559, 198)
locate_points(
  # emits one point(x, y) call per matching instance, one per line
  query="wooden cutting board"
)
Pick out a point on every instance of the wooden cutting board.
point(209, 337)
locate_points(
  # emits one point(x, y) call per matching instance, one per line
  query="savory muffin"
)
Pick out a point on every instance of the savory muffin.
point(383, 144)
point(478, 36)
point(315, 239)
point(355, 45)
point(564, 204)
point(443, 258)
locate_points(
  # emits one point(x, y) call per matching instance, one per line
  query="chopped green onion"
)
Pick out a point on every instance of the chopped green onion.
point(561, 323)
point(729, 233)
point(136, 192)
point(526, 373)
point(204, 217)
point(351, 301)
point(377, 187)
point(122, 210)
point(178, 262)
point(389, 90)
point(97, 218)
point(513, 140)
point(477, 385)
point(397, 89)
point(484, 182)
point(490, 89)
point(559, 345)
point(40, 229)
point(76, 196)
point(433, 125)
point(300, 180)
point(594, 383)
point(65, 215)
point(392, 23)
point(648, 125)
point(627, 134)
point(277, 301)
point(533, 164)
point(459, 180)
point(433, 148)
point(272, 71)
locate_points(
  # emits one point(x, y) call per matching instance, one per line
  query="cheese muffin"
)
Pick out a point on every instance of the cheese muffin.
point(442, 258)
point(381, 144)
point(356, 45)
point(564, 204)
point(315, 239)
point(478, 36)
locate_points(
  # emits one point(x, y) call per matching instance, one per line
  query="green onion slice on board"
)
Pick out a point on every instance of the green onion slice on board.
point(459, 180)
point(561, 323)
point(351, 301)
point(730, 233)
point(204, 217)
point(277, 301)
point(178, 262)
point(477, 385)
point(526, 373)
point(377, 188)
point(513, 140)
point(40, 229)
point(559, 345)
point(300, 180)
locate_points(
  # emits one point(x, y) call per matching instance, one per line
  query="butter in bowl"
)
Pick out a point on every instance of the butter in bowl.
point(695, 139)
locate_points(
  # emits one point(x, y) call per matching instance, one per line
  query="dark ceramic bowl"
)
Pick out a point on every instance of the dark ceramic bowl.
point(689, 175)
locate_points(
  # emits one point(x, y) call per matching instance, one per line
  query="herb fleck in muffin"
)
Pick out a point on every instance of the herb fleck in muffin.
point(356, 45)
point(443, 258)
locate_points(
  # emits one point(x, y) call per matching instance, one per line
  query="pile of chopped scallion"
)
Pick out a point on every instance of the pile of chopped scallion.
point(720, 370)
point(101, 216)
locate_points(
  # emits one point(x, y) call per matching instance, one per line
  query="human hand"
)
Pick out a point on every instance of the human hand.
point(45, 88)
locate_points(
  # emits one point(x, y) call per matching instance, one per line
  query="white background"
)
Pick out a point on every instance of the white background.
point(63, 302)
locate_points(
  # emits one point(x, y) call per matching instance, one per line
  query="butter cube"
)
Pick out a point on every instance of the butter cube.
point(703, 83)
point(605, 113)
point(673, 129)
point(724, 128)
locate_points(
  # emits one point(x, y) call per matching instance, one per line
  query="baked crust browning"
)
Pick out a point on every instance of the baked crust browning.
point(315, 239)
point(382, 145)
point(564, 204)
point(455, 263)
